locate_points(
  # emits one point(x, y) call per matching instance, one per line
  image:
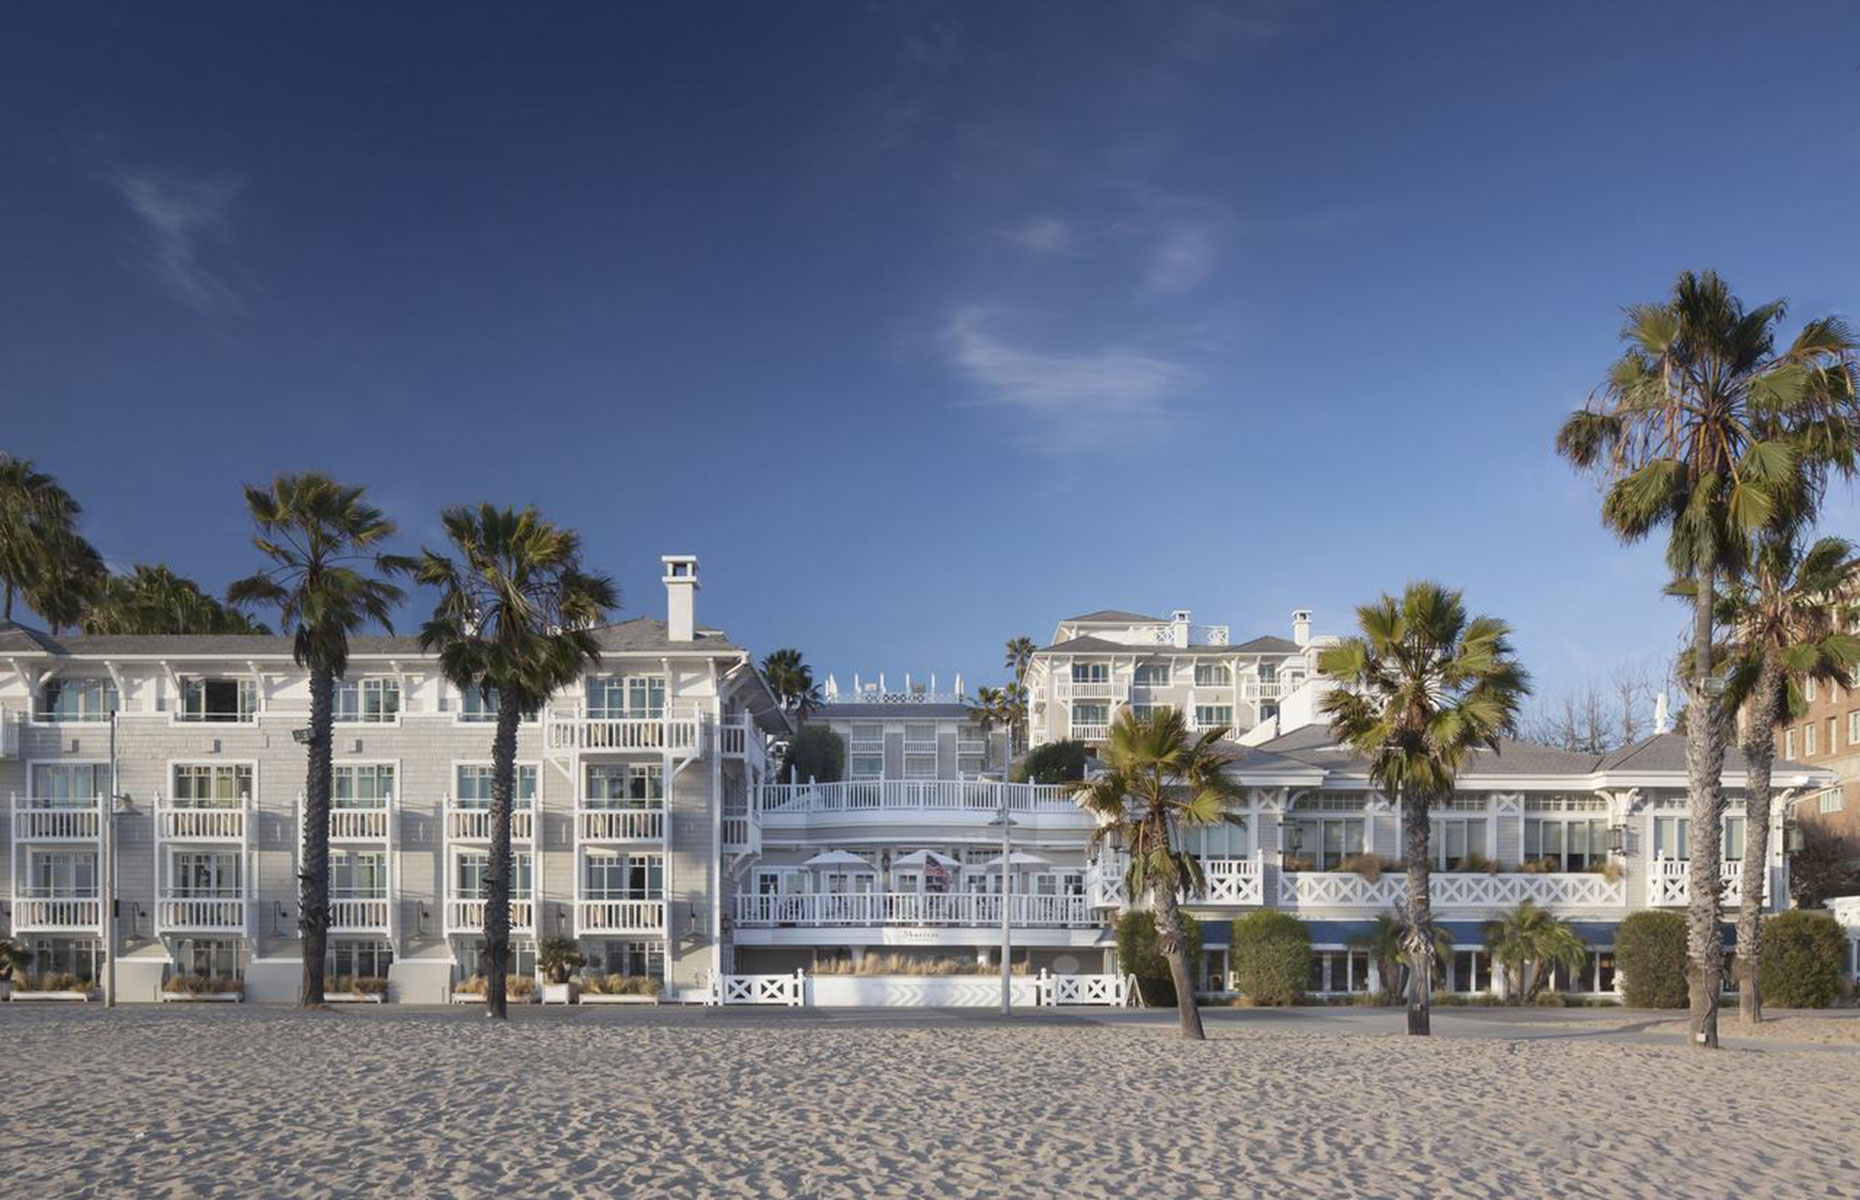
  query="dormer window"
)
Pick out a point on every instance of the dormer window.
point(208, 699)
point(77, 700)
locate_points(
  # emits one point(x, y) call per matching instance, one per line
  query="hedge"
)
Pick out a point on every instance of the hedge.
point(816, 754)
point(1800, 965)
point(1271, 957)
point(1137, 955)
point(1054, 762)
point(1650, 954)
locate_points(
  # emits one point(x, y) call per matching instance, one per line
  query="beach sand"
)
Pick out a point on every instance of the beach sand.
point(179, 1102)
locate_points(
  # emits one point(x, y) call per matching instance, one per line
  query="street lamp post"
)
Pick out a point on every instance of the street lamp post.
point(1006, 824)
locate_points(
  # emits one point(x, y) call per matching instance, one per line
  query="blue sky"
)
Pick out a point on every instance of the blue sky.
point(922, 324)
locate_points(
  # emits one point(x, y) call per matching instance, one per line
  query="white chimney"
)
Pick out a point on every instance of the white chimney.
point(1662, 723)
point(1301, 626)
point(681, 585)
point(1178, 629)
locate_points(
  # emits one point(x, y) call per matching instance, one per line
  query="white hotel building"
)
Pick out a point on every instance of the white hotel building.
point(651, 830)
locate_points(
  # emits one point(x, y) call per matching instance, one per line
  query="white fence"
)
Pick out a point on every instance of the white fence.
point(965, 909)
point(787, 990)
point(872, 795)
point(919, 991)
point(1670, 885)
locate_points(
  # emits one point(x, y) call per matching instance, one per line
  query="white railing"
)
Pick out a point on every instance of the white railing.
point(620, 824)
point(50, 914)
point(183, 824)
point(1338, 889)
point(1234, 880)
point(187, 914)
point(358, 824)
point(1669, 884)
point(467, 916)
point(742, 739)
point(572, 729)
point(1113, 990)
point(1089, 733)
point(474, 824)
point(619, 916)
point(787, 990)
point(38, 820)
point(358, 916)
point(1257, 689)
point(1451, 889)
point(1104, 882)
point(1095, 689)
point(965, 909)
point(869, 795)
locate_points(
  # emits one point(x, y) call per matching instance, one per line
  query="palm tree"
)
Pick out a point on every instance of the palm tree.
point(791, 679)
point(1788, 617)
point(1526, 943)
point(1420, 688)
point(1014, 714)
point(1386, 945)
point(1019, 657)
point(1703, 429)
point(153, 600)
point(327, 579)
point(988, 713)
point(515, 620)
point(43, 560)
point(1159, 780)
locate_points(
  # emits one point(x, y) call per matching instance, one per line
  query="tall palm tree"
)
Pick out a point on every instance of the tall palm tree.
point(1421, 687)
point(1019, 657)
point(1527, 943)
point(1159, 780)
point(42, 558)
point(1386, 944)
point(791, 679)
point(1704, 429)
point(515, 620)
point(1014, 714)
point(153, 600)
point(1788, 618)
point(327, 579)
point(987, 710)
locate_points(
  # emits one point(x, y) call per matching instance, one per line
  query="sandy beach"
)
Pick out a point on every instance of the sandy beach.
point(182, 1103)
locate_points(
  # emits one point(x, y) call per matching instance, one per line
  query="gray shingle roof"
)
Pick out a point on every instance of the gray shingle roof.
point(23, 639)
point(1087, 644)
point(1667, 752)
point(1113, 615)
point(1314, 744)
point(1268, 645)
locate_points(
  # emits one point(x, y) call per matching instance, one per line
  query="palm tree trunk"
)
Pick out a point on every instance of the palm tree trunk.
point(498, 876)
point(1172, 944)
point(313, 882)
point(1420, 931)
point(1759, 754)
point(1705, 834)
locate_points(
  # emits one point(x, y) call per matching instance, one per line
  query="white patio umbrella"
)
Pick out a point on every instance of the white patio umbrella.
point(838, 858)
point(1020, 858)
point(923, 858)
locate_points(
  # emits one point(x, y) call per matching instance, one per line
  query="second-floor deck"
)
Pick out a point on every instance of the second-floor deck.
point(976, 910)
point(946, 795)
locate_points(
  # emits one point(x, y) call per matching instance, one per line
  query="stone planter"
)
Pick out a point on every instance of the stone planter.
point(79, 997)
point(592, 998)
point(353, 998)
point(561, 993)
point(204, 998)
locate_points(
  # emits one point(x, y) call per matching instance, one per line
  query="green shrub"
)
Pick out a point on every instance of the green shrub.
point(1271, 957)
point(1801, 961)
point(816, 754)
point(1650, 954)
point(1137, 955)
point(1054, 762)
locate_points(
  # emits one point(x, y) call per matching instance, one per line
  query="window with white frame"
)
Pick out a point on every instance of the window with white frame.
point(867, 766)
point(1808, 738)
point(361, 785)
point(1338, 971)
point(471, 874)
point(1215, 675)
point(62, 874)
point(867, 733)
point(625, 785)
point(216, 700)
point(1457, 843)
point(75, 785)
point(626, 697)
point(477, 706)
point(1789, 744)
point(1091, 714)
point(623, 877)
point(1808, 688)
point(1268, 672)
point(920, 733)
point(1091, 673)
point(205, 874)
point(222, 957)
point(1212, 716)
point(636, 958)
point(1832, 800)
point(1325, 830)
point(1670, 837)
point(82, 957)
point(474, 790)
point(360, 958)
point(211, 785)
point(920, 765)
point(1224, 839)
point(1154, 675)
point(77, 700)
point(1568, 833)
point(358, 875)
point(366, 701)
point(1853, 728)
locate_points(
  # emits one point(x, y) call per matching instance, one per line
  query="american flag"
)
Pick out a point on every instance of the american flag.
point(937, 876)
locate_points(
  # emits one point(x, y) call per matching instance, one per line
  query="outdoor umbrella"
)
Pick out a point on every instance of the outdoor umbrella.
point(838, 858)
point(923, 858)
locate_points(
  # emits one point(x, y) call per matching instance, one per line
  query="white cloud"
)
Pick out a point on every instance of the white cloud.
point(180, 215)
point(1073, 401)
point(1183, 255)
point(1042, 235)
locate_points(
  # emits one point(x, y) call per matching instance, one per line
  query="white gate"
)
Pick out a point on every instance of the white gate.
point(1116, 991)
point(788, 990)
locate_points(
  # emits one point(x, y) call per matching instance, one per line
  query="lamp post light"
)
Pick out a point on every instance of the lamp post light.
point(1617, 838)
point(1792, 835)
point(1006, 824)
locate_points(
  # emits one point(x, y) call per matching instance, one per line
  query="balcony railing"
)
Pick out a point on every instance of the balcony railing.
point(619, 916)
point(474, 824)
point(1092, 689)
point(467, 916)
point(1669, 884)
point(1234, 880)
point(359, 916)
point(1451, 889)
point(1089, 733)
point(620, 824)
point(358, 824)
point(189, 824)
point(39, 820)
point(1262, 689)
point(961, 909)
point(872, 795)
point(187, 914)
point(53, 913)
point(572, 729)
point(742, 739)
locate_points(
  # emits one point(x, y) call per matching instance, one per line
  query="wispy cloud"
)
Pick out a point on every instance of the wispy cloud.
point(1182, 256)
point(1073, 401)
point(181, 217)
point(1041, 235)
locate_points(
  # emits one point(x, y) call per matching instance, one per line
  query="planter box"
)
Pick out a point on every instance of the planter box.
point(80, 997)
point(476, 998)
point(352, 998)
point(206, 998)
point(591, 998)
point(560, 993)
point(918, 991)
